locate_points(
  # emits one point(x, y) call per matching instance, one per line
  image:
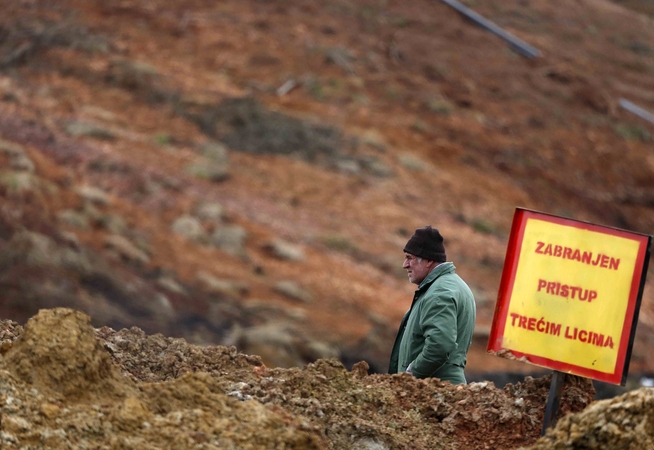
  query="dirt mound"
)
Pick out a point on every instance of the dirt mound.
point(57, 354)
point(49, 373)
point(623, 422)
point(59, 387)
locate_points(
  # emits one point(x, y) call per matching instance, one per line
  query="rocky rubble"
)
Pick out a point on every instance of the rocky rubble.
point(623, 422)
point(59, 389)
point(64, 384)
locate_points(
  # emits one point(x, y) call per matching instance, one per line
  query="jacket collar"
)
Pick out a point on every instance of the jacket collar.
point(441, 269)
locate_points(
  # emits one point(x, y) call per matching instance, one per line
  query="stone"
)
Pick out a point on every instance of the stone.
point(228, 288)
point(171, 285)
point(50, 410)
point(215, 152)
point(99, 113)
point(189, 227)
point(31, 248)
point(360, 369)
point(230, 239)
point(76, 260)
point(93, 195)
point(284, 250)
point(375, 140)
point(14, 424)
point(314, 350)
point(342, 57)
point(75, 219)
point(93, 213)
point(412, 162)
point(377, 168)
point(18, 182)
point(208, 171)
point(126, 249)
point(213, 165)
point(132, 414)
point(163, 306)
point(21, 163)
point(11, 148)
point(210, 211)
point(268, 309)
point(368, 444)
point(348, 166)
point(89, 129)
point(113, 223)
point(273, 342)
point(292, 290)
point(70, 239)
point(39, 250)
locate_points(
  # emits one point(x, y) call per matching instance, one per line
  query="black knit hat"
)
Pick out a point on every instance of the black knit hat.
point(427, 243)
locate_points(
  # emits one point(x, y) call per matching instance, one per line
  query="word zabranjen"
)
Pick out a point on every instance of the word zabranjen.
point(574, 254)
point(543, 326)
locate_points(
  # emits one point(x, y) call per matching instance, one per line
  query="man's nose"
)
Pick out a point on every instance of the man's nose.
point(405, 264)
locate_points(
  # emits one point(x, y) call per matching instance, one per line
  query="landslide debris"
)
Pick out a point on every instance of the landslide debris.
point(58, 355)
point(59, 390)
point(61, 387)
point(624, 422)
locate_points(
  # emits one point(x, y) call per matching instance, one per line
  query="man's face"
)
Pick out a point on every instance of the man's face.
point(417, 268)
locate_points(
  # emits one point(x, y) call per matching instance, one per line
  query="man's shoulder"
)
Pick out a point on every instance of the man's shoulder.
point(446, 284)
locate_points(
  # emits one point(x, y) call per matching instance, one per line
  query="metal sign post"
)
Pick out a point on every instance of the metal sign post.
point(553, 400)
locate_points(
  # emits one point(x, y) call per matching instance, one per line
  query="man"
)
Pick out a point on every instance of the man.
point(436, 333)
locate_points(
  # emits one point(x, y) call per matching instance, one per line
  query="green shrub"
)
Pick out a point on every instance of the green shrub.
point(483, 226)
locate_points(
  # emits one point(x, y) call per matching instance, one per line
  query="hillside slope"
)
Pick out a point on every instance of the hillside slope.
point(248, 172)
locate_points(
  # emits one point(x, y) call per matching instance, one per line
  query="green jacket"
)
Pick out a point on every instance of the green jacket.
point(436, 333)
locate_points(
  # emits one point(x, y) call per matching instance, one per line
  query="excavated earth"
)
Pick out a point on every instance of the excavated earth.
point(64, 384)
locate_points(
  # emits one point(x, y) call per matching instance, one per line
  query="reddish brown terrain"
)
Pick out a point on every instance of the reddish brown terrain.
point(89, 388)
point(246, 173)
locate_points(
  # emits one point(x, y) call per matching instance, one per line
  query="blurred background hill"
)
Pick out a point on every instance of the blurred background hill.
point(247, 172)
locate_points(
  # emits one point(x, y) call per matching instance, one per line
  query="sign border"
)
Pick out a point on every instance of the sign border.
point(619, 375)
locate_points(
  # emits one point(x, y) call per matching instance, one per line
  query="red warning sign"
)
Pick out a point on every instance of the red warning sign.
point(570, 295)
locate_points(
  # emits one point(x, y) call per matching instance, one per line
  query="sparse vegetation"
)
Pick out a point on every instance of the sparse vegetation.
point(414, 163)
point(633, 132)
point(440, 106)
point(483, 226)
point(163, 139)
point(420, 126)
point(315, 89)
point(339, 243)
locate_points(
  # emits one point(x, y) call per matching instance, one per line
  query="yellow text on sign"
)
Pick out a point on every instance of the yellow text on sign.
point(570, 295)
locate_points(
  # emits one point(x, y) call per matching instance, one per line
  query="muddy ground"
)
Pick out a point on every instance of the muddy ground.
point(64, 384)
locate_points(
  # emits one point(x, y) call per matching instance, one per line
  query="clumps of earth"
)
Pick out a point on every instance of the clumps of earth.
point(65, 384)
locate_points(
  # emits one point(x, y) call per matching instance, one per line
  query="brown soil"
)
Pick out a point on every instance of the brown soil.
point(61, 385)
point(623, 422)
point(333, 127)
